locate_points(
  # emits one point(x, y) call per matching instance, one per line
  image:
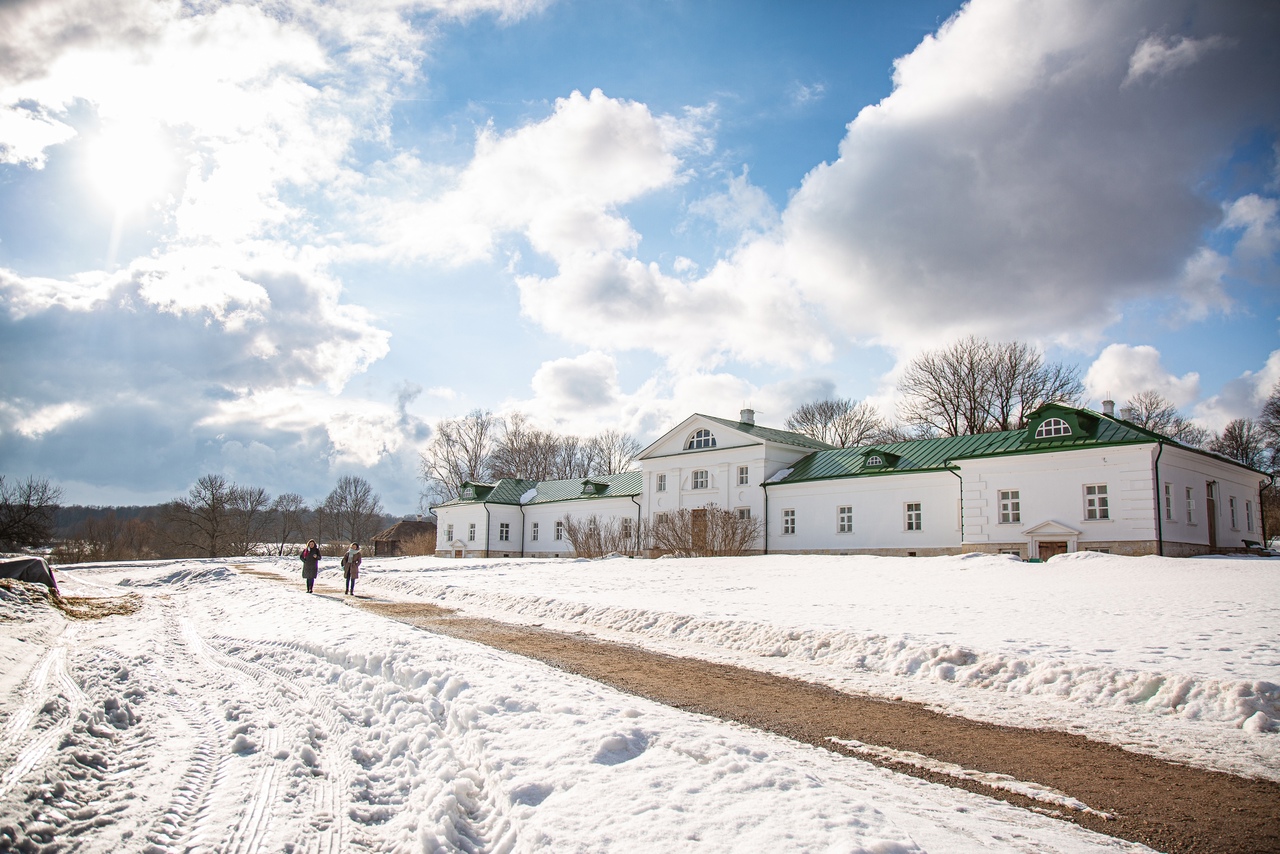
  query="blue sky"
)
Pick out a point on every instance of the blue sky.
point(281, 241)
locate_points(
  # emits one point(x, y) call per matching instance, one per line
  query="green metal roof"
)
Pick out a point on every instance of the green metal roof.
point(769, 434)
point(614, 486)
point(511, 490)
point(934, 454)
point(506, 491)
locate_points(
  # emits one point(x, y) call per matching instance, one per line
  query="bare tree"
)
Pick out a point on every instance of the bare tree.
point(249, 508)
point(948, 389)
point(28, 512)
point(1152, 411)
point(200, 524)
point(1241, 440)
point(460, 450)
point(703, 532)
point(611, 452)
point(974, 386)
point(1020, 382)
point(594, 537)
point(288, 512)
point(841, 422)
point(353, 509)
point(1269, 425)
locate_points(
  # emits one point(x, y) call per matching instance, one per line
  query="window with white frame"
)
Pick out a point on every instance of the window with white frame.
point(914, 516)
point(559, 530)
point(699, 480)
point(875, 460)
point(1053, 427)
point(662, 483)
point(744, 476)
point(1095, 501)
point(471, 532)
point(788, 521)
point(844, 519)
point(744, 512)
point(701, 439)
point(1191, 507)
point(1010, 506)
point(448, 532)
point(1248, 516)
point(504, 532)
point(1231, 508)
point(533, 532)
point(626, 529)
point(1168, 501)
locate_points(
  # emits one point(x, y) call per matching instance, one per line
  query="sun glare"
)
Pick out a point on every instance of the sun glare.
point(129, 166)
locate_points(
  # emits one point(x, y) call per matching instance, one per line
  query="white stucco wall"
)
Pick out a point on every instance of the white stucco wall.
point(879, 514)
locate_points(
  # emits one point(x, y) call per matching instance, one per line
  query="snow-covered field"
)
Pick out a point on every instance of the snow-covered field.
point(233, 713)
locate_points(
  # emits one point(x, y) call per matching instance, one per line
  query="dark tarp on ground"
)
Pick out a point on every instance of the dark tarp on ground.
point(33, 569)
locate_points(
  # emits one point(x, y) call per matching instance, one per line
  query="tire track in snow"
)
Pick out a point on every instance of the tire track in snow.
point(52, 669)
point(480, 821)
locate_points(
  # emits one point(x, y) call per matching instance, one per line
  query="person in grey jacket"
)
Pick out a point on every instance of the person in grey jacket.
point(351, 567)
point(310, 563)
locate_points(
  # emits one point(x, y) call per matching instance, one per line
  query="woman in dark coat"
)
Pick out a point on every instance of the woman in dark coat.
point(310, 563)
point(351, 567)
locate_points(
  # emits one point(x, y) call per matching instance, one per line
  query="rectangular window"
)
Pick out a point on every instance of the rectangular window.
point(448, 532)
point(1168, 501)
point(471, 532)
point(844, 519)
point(744, 476)
point(744, 512)
point(533, 535)
point(788, 521)
point(504, 531)
point(1191, 507)
point(559, 530)
point(915, 517)
point(1231, 507)
point(626, 529)
point(1248, 516)
point(1095, 501)
point(1010, 506)
point(700, 479)
point(662, 483)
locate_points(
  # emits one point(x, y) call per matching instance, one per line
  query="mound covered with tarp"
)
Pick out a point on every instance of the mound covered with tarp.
point(33, 569)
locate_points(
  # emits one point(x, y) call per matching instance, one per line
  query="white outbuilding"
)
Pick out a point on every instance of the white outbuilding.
point(1072, 480)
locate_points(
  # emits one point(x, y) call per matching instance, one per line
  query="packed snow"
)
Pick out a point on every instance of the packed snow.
point(231, 710)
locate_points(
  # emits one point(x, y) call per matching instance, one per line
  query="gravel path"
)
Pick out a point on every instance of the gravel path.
point(1166, 806)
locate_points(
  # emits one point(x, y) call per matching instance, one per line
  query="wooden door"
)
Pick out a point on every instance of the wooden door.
point(1047, 550)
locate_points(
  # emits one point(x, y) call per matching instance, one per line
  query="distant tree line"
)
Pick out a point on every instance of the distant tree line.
point(482, 447)
point(216, 518)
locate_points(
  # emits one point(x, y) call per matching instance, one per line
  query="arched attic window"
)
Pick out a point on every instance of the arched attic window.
point(875, 460)
point(1051, 427)
point(700, 439)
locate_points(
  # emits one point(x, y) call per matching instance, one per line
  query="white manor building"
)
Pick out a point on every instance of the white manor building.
point(1073, 480)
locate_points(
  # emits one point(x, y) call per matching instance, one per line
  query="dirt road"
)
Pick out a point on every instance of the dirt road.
point(1166, 806)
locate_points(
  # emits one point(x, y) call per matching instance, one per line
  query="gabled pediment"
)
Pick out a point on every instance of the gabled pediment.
point(698, 433)
point(1051, 529)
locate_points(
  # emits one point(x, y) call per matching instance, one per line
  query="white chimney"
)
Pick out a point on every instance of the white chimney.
point(1109, 408)
point(747, 416)
point(1126, 414)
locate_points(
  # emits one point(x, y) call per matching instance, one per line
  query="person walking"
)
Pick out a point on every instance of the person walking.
point(310, 564)
point(351, 567)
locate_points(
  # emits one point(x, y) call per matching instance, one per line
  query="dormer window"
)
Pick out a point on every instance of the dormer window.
point(701, 439)
point(469, 492)
point(1053, 427)
point(875, 460)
